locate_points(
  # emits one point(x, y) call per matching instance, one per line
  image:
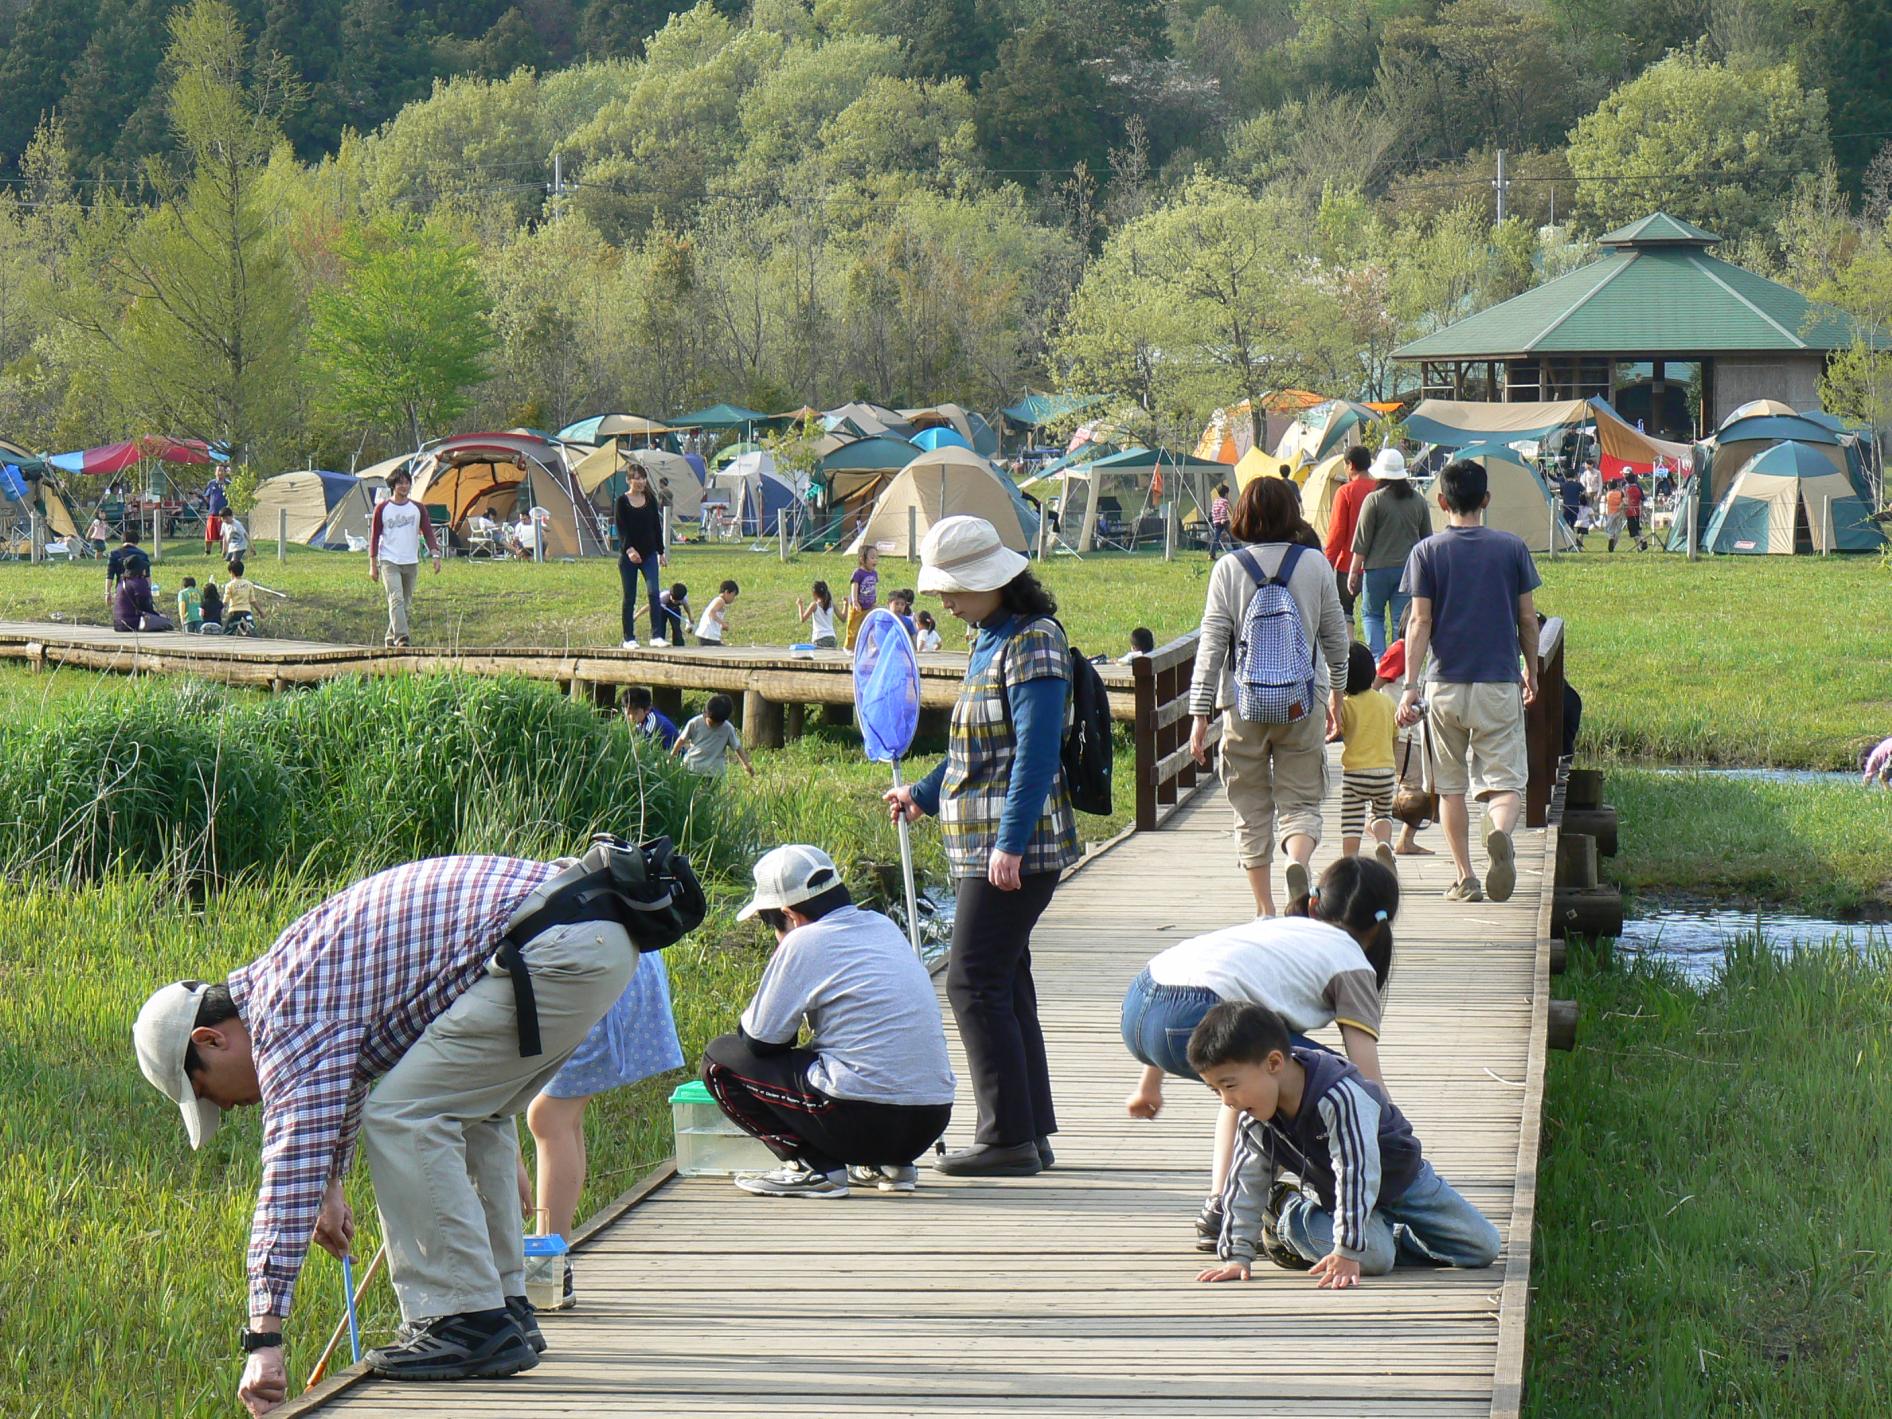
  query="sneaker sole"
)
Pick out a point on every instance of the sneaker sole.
point(898, 1187)
point(1501, 877)
point(1386, 858)
point(1295, 879)
point(497, 1367)
point(793, 1192)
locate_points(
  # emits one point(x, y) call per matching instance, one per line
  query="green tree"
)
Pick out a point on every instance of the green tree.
point(403, 335)
point(1709, 144)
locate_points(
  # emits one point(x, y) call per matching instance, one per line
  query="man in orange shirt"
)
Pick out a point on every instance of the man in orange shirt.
point(1344, 518)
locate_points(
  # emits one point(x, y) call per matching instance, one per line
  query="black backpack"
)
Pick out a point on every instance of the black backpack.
point(1087, 757)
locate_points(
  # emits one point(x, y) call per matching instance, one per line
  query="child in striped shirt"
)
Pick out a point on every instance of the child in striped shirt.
point(1367, 776)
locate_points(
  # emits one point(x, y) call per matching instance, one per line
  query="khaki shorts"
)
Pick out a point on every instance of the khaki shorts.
point(1276, 777)
point(1478, 738)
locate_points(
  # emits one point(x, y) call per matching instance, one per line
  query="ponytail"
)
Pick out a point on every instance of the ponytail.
point(1360, 897)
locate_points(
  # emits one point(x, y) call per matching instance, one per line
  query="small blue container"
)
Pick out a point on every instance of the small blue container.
point(545, 1271)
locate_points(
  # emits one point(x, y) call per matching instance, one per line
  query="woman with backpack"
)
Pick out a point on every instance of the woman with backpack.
point(1006, 815)
point(1272, 660)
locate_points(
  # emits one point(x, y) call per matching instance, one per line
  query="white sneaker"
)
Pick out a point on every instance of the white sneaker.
point(631, 644)
point(903, 1178)
point(661, 643)
point(793, 1180)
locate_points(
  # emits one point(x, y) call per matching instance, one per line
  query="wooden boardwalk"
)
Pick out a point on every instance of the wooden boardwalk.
point(1072, 1293)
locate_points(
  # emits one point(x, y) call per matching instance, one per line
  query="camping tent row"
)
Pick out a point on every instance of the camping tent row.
point(945, 482)
point(1521, 500)
point(1787, 499)
point(1822, 441)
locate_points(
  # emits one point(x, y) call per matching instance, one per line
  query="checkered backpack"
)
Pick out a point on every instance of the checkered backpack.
point(1274, 664)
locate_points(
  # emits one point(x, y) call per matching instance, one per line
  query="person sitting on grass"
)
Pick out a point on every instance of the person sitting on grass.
point(715, 623)
point(708, 737)
point(1359, 1170)
point(1142, 643)
point(1368, 729)
point(872, 1089)
point(132, 607)
point(212, 622)
point(1325, 963)
point(128, 558)
point(239, 602)
point(643, 717)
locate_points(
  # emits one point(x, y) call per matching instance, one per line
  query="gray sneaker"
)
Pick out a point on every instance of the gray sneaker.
point(902, 1178)
point(1501, 875)
point(1466, 891)
point(793, 1180)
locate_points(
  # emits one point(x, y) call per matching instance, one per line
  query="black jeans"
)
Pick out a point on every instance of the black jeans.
point(1347, 598)
point(995, 1001)
point(768, 1096)
point(628, 573)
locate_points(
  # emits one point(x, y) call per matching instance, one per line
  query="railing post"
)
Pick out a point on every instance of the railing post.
point(1143, 734)
point(1544, 724)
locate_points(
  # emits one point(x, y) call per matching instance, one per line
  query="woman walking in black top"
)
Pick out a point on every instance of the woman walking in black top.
point(640, 523)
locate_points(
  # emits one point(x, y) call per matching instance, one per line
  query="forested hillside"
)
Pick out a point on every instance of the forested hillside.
point(903, 199)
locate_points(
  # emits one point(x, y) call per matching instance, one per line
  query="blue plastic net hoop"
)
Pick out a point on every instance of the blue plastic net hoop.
point(886, 685)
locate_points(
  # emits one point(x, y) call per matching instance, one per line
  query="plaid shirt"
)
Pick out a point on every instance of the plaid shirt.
point(979, 753)
point(334, 1004)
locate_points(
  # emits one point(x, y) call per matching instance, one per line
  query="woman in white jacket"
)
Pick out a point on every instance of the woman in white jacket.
point(1275, 774)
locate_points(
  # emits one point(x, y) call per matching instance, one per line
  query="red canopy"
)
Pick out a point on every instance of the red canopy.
point(117, 457)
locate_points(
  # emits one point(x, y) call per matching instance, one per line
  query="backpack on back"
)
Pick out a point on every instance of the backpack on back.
point(1087, 757)
point(1274, 664)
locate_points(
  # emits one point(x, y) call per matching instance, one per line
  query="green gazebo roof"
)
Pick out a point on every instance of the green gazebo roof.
point(1654, 291)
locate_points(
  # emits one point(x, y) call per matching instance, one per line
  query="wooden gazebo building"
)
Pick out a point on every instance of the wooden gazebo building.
point(1668, 333)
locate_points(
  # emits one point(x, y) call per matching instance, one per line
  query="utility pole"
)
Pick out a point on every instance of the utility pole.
point(1499, 184)
point(558, 185)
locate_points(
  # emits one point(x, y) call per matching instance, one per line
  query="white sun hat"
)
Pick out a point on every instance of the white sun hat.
point(1390, 463)
point(162, 1035)
point(965, 554)
point(789, 875)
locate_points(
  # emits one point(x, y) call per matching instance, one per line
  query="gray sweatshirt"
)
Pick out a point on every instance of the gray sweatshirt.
point(1231, 588)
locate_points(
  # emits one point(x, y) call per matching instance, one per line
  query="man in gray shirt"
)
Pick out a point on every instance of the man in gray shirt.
point(872, 1089)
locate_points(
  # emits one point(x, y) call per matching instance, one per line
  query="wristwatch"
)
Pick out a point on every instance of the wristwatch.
point(254, 1340)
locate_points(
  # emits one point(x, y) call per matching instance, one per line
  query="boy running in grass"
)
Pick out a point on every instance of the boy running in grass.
point(1359, 1168)
point(708, 737)
point(715, 623)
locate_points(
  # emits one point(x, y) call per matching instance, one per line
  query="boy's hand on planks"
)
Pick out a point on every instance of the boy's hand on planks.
point(1228, 1271)
point(1336, 1271)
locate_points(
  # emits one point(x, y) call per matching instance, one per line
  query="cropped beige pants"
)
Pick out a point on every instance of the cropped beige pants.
point(1276, 777)
point(399, 579)
point(439, 1130)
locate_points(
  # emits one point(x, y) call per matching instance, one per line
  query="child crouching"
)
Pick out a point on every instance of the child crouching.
point(1359, 1165)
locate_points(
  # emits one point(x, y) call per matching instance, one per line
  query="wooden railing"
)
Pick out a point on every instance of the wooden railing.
point(1165, 772)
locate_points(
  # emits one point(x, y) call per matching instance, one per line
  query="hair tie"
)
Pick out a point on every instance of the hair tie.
point(1313, 896)
point(1379, 916)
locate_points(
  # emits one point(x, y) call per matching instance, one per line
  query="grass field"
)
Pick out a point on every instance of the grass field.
point(1764, 660)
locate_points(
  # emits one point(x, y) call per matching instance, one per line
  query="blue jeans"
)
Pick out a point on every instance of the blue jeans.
point(1159, 1019)
point(1219, 540)
point(1384, 600)
point(1430, 1225)
point(628, 573)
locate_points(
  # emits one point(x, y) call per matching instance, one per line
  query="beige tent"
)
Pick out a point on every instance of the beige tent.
point(1329, 476)
point(947, 482)
point(600, 477)
point(302, 501)
point(495, 475)
point(951, 416)
point(1789, 499)
point(1521, 502)
point(387, 467)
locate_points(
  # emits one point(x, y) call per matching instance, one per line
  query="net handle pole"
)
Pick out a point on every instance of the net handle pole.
point(906, 871)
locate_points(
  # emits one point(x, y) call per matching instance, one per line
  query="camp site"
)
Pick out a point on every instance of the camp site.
point(811, 709)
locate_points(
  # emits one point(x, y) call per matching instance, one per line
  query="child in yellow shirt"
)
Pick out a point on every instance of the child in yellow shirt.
point(1367, 778)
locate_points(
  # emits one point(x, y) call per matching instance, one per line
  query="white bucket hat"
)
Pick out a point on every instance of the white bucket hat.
point(162, 1035)
point(788, 876)
point(1390, 463)
point(965, 554)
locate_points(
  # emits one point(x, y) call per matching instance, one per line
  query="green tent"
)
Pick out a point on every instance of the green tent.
point(1790, 499)
point(722, 416)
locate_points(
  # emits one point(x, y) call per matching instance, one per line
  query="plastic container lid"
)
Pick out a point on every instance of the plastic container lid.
point(694, 1092)
point(553, 1245)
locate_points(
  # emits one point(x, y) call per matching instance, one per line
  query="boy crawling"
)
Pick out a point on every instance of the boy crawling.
point(1366, 1201)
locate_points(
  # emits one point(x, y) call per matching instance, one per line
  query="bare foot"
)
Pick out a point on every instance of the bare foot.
point(1415, 851)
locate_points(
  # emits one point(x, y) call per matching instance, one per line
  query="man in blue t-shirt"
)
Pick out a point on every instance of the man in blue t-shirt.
point(1471, 607)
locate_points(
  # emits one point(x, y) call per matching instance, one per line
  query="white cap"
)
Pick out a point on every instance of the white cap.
point(1390, 463)
point(162, 1035)
point(965, 554)
point(788, 876)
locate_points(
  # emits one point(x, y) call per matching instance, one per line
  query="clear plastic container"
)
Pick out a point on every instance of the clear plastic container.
point(545, 1271)
point(708, 1144)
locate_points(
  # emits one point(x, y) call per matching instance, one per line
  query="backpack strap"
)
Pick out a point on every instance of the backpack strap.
point(1246, 556)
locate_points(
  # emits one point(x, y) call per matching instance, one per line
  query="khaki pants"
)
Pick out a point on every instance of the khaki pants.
point(399, 580)
point(1478, 738)
point(439, 1130)
point(1276, 777)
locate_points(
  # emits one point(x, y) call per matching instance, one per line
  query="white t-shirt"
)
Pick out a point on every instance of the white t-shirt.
point(872, 1015)
point(710, 628)
point(1308, 972)
point(400, 533)
point(821, 621)
point(929, 639)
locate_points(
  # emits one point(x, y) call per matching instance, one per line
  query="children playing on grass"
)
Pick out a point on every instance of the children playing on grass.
point(1367, 774)
point(708, 737)
point(239, 602)
point(1364, 1198)
point(715, 623)
point(863, 591)
point(642, 716)
point(673, 612)
point(928, 637)
point(190, 606)
point(1142, 643)
point(1325, 963)
point(818, 616)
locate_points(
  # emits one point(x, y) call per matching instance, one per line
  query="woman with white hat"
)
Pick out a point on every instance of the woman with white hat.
point(1009, 829)
point(1393, 520)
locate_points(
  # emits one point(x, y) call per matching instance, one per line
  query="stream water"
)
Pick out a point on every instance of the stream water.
point(1695, 936)
point(1846, 776)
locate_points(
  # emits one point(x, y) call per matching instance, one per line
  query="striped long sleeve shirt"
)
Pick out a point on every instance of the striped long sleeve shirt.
point(1347, 1144)
point(334, 1004)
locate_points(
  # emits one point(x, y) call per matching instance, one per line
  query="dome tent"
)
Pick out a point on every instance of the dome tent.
point(350, 520)
point(942, 483)
point(600, 476)
point(1788, 499)
point(490, 474)
point(754, 492)
point(1521, 501)
point(308, 497)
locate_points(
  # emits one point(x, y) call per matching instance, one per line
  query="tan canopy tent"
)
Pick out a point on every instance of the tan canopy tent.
point(301, 502)
point(947, 482)
point(493, 475)
point(600, 476)
point(1521, 502)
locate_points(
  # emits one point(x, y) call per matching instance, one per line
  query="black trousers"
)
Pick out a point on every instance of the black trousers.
point(628, 573)
point(768, 1096)
point(1347, 598)
point(994, 999)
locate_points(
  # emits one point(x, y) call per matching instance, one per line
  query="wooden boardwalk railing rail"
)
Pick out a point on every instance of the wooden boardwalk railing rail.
point(1164, 766)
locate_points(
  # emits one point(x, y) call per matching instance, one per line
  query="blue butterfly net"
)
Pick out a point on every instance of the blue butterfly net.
point(886, 685)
